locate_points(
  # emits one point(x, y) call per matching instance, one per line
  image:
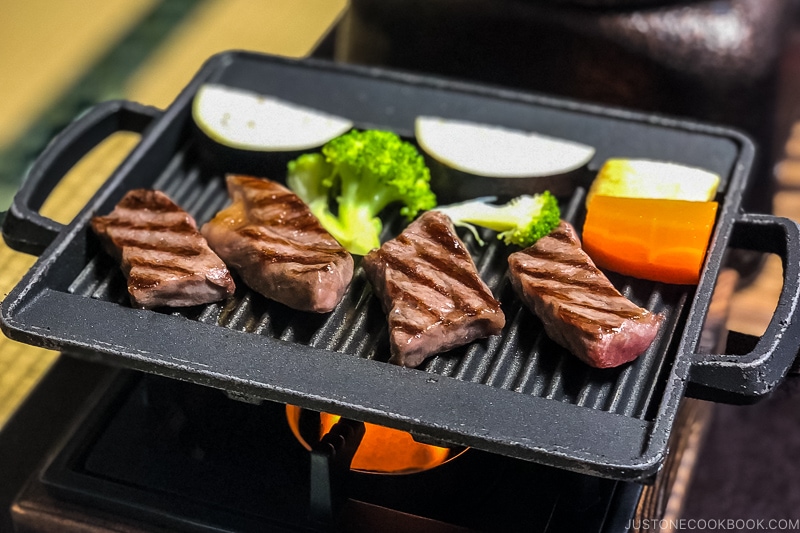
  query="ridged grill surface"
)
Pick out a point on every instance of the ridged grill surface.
point(523, 359)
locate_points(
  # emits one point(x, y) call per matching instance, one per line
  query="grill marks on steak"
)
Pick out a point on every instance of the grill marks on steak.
point(425, 278)
point(430, 289)
point(578, 305)
point(165, 259)
point(278, 247)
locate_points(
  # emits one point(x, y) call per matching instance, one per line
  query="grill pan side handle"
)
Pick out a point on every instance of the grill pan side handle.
point(749, 377)
point(24, 228)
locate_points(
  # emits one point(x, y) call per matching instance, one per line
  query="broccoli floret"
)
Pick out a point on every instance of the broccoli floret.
point(309, 177)
point(357, 175)
point(522, 221)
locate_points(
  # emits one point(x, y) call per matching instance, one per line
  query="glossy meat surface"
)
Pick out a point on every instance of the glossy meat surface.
point(277, 246)
point(165, 259)
point(578, 305)
point(431, 291)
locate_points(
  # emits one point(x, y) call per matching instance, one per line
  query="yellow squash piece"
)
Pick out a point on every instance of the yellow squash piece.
point(642, 178)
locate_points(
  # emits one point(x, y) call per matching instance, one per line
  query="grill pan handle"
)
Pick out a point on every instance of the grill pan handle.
point(748, 377)
point(24, 229)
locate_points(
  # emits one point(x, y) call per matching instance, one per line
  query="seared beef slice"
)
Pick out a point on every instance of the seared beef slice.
point(165, 259)
point(431, 291)
point(580, 308)
point(271, 238)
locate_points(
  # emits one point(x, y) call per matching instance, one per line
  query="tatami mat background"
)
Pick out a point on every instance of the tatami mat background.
point(47, 48)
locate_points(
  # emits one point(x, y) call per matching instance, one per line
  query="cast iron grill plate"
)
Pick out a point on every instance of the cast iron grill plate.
point(518, 394)
point(523, 359)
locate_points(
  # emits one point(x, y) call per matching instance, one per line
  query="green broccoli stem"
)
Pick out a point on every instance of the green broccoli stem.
point(328, 220)
point(359, 205)
point(361, 227)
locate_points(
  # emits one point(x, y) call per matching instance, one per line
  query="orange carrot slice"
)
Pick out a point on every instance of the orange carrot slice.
point(655, 239)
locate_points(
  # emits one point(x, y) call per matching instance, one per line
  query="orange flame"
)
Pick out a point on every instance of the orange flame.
point(382, 449)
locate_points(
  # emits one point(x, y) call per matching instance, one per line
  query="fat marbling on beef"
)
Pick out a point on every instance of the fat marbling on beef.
point(278, 247)
point(431, 291)
point(580, 308)
point(165, 259)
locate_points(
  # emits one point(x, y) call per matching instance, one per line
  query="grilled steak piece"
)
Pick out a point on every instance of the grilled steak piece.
point(165, 259)
point(431, 291)
point(278, 247)
point(580, 308)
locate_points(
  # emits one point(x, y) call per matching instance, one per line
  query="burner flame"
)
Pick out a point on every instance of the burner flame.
point(383, 450)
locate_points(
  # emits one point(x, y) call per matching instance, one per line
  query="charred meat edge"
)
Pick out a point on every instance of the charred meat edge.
point(578, 306)
point(431, 291)
point(278, 247)
point(165, 259)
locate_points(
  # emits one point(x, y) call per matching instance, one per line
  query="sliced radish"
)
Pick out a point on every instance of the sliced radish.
point(250, 121)
point(494, 151)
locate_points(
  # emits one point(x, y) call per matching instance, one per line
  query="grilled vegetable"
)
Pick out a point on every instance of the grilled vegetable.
point(655, 239)
point(360, 174)
point(250, 121)
point(522, 221)
point(468, 159)
point(640, 178)
point(500, 152)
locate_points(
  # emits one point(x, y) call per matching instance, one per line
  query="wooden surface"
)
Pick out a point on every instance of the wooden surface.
point(48, 45)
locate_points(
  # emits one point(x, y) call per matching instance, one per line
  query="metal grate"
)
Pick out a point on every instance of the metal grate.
point(523, 359)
